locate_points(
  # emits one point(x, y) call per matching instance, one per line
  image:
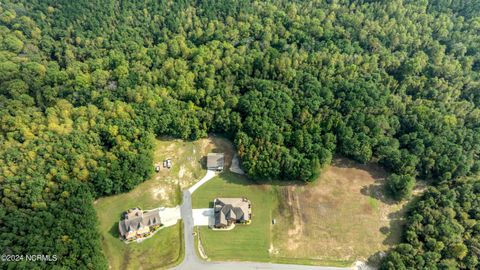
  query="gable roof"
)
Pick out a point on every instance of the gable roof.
point(135, 220)
point(233, 209)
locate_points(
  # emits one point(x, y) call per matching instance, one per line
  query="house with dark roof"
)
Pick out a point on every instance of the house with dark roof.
point(228, 211)
point(215, 161)
point(137, 223)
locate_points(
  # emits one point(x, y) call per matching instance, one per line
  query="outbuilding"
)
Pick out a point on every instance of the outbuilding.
point(215, 161)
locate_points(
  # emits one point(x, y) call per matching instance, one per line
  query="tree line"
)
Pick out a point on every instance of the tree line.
point(86, 85)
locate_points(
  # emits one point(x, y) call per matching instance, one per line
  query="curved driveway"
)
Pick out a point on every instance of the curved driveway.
point(192, 262)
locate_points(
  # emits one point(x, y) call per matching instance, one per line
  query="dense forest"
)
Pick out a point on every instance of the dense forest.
point(86, 85)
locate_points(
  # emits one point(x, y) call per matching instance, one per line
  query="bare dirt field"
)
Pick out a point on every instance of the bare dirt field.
point(342, 217)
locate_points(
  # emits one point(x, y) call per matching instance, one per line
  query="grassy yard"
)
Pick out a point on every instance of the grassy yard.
point(244, 242)
point(159, 251)
point(161, 190)
point(339, 219)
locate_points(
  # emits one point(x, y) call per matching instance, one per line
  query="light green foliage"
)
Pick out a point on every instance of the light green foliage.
point(291, 83)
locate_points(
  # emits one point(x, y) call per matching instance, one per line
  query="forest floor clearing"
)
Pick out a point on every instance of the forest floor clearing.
point(163, 189)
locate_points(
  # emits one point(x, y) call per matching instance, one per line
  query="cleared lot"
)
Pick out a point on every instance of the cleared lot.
point(343, 216)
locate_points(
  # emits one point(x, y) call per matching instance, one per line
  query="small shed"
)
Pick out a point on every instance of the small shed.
point(215, 161)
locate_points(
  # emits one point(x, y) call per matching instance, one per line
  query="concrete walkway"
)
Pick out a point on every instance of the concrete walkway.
point(192, 262)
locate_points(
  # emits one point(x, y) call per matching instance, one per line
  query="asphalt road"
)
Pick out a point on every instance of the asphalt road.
point(192, 262)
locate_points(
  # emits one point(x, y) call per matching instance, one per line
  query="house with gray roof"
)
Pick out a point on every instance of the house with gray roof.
point(228, 211)
point(215, 161)
point(137, 223)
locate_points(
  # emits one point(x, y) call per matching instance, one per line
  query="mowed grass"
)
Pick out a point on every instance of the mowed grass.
point(159, 251)
point(342, 217)
point(164, 249)
point(245, 242)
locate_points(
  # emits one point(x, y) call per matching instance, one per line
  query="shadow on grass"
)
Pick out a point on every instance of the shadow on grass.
point(203, 162)
point(114, 230)
point(378, 191)
point(372, 168)
point(395, 228)
point(394, 231)
point(244, 180)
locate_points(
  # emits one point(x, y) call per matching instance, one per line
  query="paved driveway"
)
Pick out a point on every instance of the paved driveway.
point(210, 174)
point(169, 216)
point(203, 217)
point(192, 262)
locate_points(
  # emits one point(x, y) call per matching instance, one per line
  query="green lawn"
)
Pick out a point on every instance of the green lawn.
point(264, 242)
point(166, 246)
point(244, 242)
point(159, 251)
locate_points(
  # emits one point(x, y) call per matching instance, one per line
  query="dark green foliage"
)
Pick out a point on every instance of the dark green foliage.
point(442, 230)
point(86, 85)
point(400, 186)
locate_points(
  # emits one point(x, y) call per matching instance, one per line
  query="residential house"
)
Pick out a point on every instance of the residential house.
point(229, 211)
point(136, 223)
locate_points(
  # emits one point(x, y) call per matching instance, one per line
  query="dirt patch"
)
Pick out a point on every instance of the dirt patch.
point(296, 229)
point(342, 216)
point(222, 145)
point(160, 193)
point(181, 172)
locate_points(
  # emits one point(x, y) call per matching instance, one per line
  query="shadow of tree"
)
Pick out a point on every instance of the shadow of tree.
point(378, 191)
point(376, 171)
point(203, 162)
point(376, 259)
point(114, 230)
point(245, 180)
point(394, 230)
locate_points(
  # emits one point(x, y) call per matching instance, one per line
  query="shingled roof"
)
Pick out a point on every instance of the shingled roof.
point(227, 210)
point(215, 161)
point(136, 219)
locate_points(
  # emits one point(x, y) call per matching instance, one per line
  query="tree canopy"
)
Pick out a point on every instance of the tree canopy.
point(86, 85)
